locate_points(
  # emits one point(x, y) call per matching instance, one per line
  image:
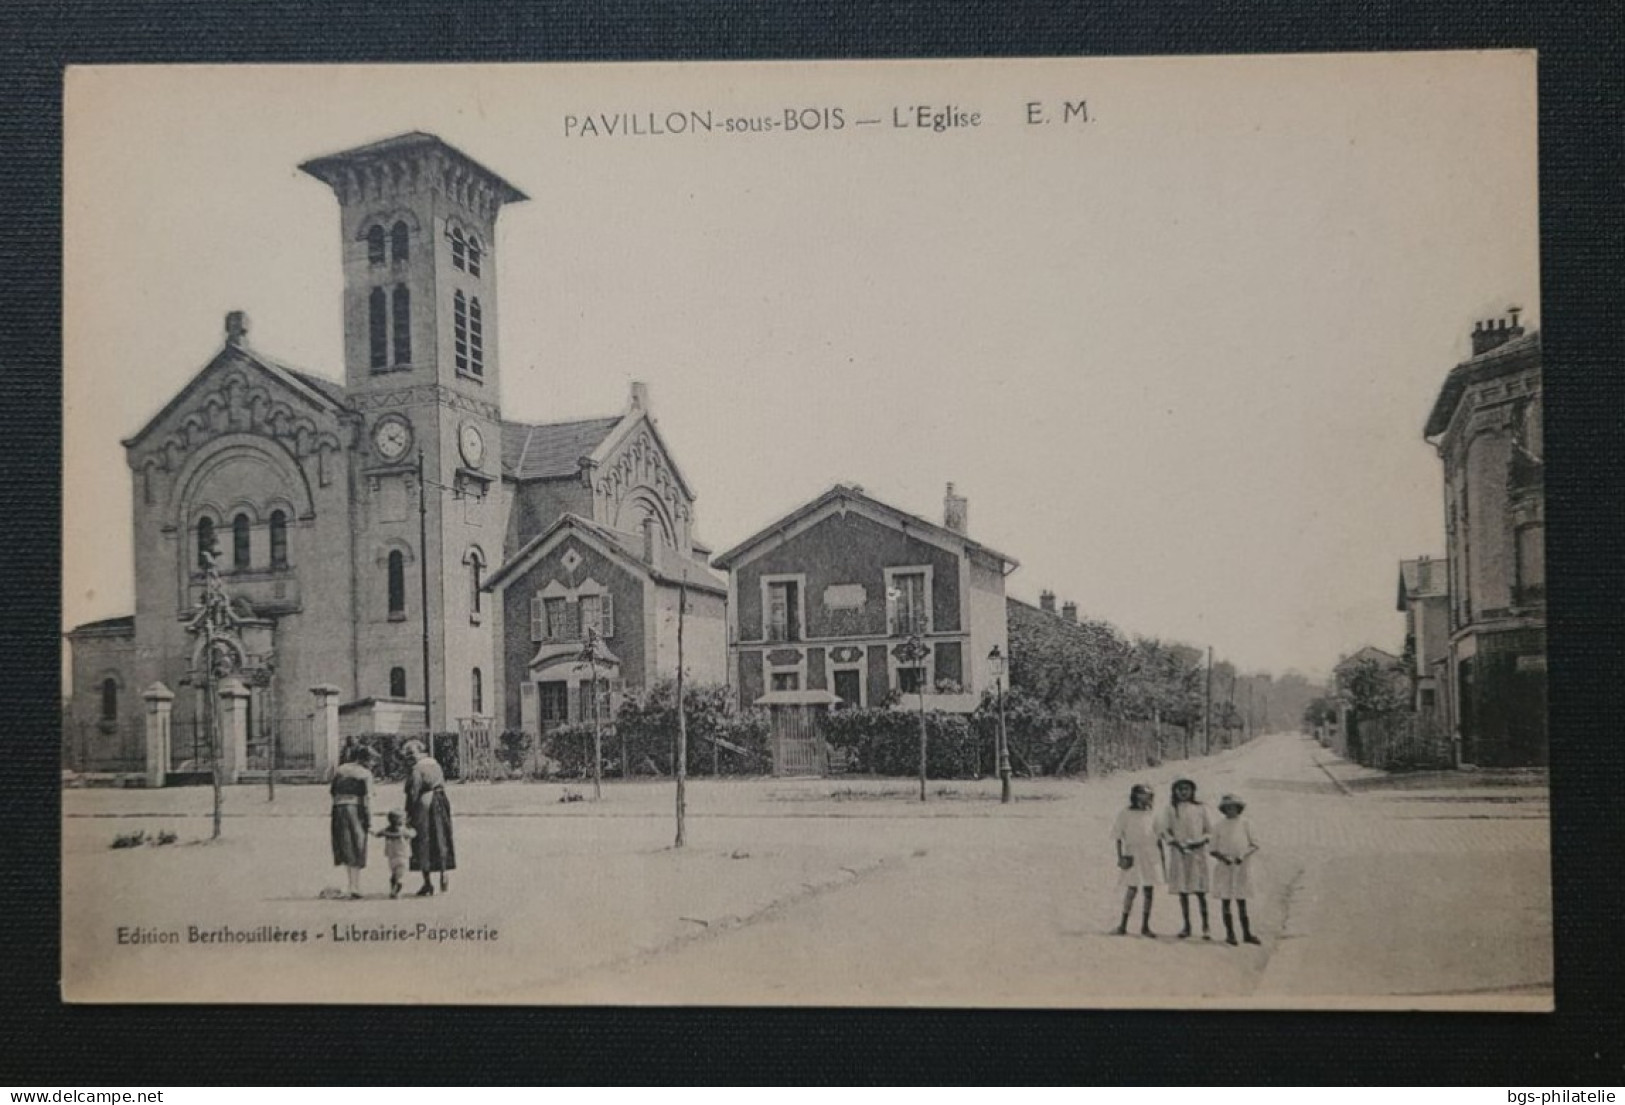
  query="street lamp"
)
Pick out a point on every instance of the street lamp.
point(995, 663)
point(592, 655)
point(914, 651)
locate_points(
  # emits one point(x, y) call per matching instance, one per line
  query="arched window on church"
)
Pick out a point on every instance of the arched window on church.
point(477, 691)
point(279, 539)
point(397, 682)
point(476, 338)
point(397, 586)
point(378, 329)
point(375, 246)
point(475, 252)
point(399, 240)
point(109, 699)
point(459, 249)
point(205, 541)
point(241, 549)
point(402, 305)
point(476, 579)
point(459, 330)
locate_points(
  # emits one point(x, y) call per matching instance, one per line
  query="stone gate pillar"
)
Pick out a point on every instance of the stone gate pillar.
point(233, 729)
point(160, 701)
point(325, 729)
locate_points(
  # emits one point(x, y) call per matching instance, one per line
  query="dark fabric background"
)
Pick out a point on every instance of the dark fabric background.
point(1581, 60)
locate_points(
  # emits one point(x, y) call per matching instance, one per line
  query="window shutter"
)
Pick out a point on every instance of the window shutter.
point(892, 596)
point(538, 623)
point(606, 613)
point(529, 719)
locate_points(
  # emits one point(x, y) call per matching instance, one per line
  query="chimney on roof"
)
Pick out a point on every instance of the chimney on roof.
point(1046, 601)
point(640, 395)
point(1491, 333)
point(955, 511)
point(236, 328)
point(1069, 612)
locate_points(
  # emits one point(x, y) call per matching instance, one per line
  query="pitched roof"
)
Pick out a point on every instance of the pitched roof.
point(106, 627)
point(549, 450)
point(670, 566)
point(324, 168)
point(1512, 356)
point(841, 492)
point(1422, 578)
point(317, 390)
point(1369, 652)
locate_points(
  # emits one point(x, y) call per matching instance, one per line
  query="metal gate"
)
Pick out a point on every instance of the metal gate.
point(288, 743)
point(476, 754)
point(798, 741)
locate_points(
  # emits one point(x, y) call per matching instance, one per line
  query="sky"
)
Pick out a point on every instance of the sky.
point(1177, 356)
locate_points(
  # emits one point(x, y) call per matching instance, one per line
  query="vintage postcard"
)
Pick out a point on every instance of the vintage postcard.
point(1012, 533)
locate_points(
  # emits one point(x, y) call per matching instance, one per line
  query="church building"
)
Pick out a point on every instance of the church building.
point(358, 525)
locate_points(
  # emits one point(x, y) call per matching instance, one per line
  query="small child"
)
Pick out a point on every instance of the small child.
point(397, 838)
point(1233, 846)
point(1138, 857)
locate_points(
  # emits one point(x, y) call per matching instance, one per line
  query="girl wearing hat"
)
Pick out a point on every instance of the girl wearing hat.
point(1138, 857)
point(1185, 828)
point(1233, 846)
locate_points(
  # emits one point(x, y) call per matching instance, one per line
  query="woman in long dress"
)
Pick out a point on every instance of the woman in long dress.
point(429, 812)
point(1184, 826)
point(352, 814)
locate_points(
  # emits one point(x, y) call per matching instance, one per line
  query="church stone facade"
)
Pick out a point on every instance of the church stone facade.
point(347, 518)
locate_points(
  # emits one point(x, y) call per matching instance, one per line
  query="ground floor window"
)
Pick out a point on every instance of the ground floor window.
point(911, 680)
point(849, 687)
point(786, 681)
point(554, 702)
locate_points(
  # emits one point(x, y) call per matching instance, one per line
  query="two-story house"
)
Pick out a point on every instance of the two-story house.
point(848, 599)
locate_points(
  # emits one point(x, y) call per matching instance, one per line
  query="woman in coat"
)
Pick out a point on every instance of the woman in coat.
point(429, 812)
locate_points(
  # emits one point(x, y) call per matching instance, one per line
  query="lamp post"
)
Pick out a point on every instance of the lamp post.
point(995, 663)
point(592, 656)
point(914, 651)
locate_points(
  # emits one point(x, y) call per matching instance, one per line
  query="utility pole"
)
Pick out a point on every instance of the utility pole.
point(423, 597)
point(682, 714)
point(1207, 713)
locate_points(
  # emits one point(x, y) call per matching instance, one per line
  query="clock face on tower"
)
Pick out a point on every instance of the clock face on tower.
point(392, 437)
point(472, 444)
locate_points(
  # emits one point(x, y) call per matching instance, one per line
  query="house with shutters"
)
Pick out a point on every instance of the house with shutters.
point(824, 603)
point(582, 578)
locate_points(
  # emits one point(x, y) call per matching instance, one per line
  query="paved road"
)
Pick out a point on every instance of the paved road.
point(846, 892)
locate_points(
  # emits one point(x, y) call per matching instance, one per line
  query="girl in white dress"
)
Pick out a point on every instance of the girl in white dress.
point(1233, 846)
point(1185, 828)
point(1139, 858)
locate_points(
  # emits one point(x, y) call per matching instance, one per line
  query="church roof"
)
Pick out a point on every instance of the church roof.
point(549, 450)
point(106, 627)
point(670, 566)
point(317, 390)
point(325, 168)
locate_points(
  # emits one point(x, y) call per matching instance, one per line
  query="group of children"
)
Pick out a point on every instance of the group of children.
point(1175, 844)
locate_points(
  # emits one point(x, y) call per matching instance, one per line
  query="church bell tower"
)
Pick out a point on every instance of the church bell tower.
point(417, 220)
